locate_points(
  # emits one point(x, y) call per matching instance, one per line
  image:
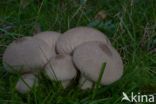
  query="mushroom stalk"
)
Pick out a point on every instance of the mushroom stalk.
point(84, 83)
point(65, 84)
point(26, 82)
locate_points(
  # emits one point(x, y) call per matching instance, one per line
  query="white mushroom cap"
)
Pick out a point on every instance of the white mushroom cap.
point(26, 54)
point(89, 58)
point(49, 37)
point(61, 68)
point(77, 36)
point(26, 82)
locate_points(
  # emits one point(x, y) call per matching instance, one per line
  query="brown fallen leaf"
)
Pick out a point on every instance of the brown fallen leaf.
point(101, 15)
point(148, 88)
point(24, 3)
point(153, 50)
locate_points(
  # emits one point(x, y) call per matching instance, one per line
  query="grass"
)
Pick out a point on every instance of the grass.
point(130, 25)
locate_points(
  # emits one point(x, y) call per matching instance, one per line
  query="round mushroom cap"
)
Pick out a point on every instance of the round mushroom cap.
point(77, 36)
point(61, 68)
point(90, 57)
point(26, 82)
point(49, 37)
point(26, 54)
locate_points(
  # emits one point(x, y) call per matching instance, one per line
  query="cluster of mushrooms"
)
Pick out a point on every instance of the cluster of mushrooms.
point(61, 56)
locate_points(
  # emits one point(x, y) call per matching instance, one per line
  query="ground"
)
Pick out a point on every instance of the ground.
point(129, 24)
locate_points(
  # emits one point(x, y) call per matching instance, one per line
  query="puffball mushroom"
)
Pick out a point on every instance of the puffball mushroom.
point(77, 36)
point(26, 82)
point(89, 58)
point(49, 37)
point(26, 54)
point(61, 68)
